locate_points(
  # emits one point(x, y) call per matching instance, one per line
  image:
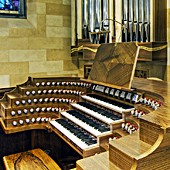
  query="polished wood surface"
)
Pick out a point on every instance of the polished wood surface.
point(97, 162)
point(115, 64)
point(160, 21)
point(153, 55)
point(89, 54)
point(33, 159)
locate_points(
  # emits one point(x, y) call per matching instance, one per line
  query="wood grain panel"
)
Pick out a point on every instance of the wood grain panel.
point(33, 159)
point(160, 24)
point(158, 55)
point(97, 162)
point(114, 64)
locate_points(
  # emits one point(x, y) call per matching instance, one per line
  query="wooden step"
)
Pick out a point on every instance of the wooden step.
point(123, 151)
point(150, 129)
point(96, 162)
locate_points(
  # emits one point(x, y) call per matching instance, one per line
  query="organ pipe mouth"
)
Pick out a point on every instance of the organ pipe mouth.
point(101, 31)
point(122, 25)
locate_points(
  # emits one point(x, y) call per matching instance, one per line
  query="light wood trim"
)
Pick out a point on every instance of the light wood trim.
point(9, 130)
point(101, 83)
point(155, 146)
point(134, 66)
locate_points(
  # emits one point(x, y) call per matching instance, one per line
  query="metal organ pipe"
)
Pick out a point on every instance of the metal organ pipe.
point(131, 18)
point(125, 18)
point(136, 17)
point(91, 19)
point(85, 19)
point(147, 25)
point(97, 19)
point(105, 16)
point(141, 19)
point(94, 11)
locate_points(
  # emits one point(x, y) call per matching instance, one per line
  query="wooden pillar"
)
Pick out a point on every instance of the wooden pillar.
point(158, 20)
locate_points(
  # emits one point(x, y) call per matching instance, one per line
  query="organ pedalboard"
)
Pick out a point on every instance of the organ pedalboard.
point(85, 115)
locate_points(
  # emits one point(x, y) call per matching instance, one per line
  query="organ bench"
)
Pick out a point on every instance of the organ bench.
point(33, 159)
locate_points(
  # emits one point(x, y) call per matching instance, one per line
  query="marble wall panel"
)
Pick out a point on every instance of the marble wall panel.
point(4, 55)
point(58, 54)
point(54, 21)
point(55, 9)
point(4, 32)
point(64, 32)
point(41, 8)
point(27, 55)
point(5, 81)
point(45, 43)
point(9, 68)
point(17, 32)
point(18, 43)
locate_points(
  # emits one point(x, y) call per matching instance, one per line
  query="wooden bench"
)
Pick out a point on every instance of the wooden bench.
point(35, 159)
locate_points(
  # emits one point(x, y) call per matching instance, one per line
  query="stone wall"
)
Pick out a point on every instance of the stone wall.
point(38, 46)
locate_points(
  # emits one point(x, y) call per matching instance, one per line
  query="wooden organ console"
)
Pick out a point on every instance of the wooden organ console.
point(110, 126)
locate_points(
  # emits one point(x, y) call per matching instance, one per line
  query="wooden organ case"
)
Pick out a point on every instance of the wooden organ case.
point(124, 125)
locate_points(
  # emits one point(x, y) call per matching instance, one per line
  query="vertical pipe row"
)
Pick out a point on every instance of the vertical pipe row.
point(131, 19)
point(136, 18)
point(125, 18)
point(93, 12)
point(147, 25)
point(105, 16)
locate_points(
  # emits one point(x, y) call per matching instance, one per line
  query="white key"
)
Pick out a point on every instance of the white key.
point(82, 124)
point(105, 104)
point(72, 137)
point(95, 114)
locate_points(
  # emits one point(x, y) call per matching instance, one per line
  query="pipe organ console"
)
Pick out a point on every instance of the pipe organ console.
point(110, 126)
point(88, 116)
